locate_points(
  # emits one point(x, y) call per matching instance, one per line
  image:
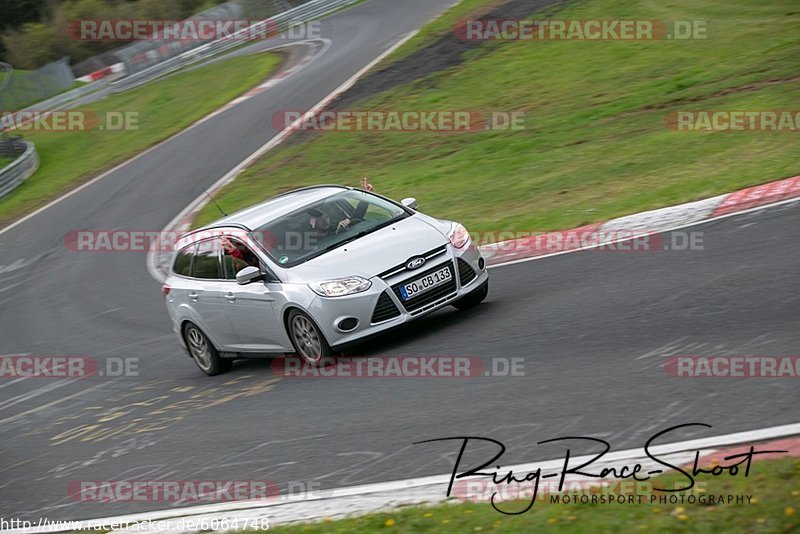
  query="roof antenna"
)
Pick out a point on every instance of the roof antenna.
point(214, 202)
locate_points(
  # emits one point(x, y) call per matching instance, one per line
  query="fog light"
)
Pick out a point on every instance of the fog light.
point(348, 324)
point(481, 264)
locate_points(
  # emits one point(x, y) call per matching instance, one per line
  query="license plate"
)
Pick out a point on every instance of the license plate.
point(429, 281)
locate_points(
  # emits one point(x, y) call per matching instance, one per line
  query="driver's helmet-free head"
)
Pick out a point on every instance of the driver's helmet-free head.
point(320, 220)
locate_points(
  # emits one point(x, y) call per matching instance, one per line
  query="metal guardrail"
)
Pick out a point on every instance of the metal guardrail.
point(61, 101)
point(282, 22)
point(8, 72)
point(21, 169)
point(118, 83)
point(27, 163)
point(144, 53)
point(26, 87)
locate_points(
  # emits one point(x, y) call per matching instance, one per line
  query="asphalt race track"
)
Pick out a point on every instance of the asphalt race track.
point(594, 329)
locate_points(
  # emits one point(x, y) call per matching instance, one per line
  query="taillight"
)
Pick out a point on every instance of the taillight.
point(165, 289)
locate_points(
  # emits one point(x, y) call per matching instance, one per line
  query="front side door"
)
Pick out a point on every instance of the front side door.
point(251, 307)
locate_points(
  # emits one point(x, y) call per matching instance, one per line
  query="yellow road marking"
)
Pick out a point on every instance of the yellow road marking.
point(49, 404)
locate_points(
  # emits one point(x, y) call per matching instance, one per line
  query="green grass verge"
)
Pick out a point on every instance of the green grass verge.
point(774, 507)
point(441, 26)
point(5, 161)
point(165, 108)
point(595, 144)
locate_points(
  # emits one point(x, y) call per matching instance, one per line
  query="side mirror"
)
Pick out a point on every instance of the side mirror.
point(409, 203)
point(248, 275)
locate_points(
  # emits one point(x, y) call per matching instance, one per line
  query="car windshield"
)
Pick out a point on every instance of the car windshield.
point(323, 226)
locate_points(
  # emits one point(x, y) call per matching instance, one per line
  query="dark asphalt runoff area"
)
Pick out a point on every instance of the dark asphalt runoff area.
point(593, 330)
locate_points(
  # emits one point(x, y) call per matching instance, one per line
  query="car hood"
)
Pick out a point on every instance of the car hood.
point(374, 253)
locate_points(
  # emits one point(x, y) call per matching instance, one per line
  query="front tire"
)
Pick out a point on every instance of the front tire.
point(307, 339)
point(203, 352)
point(473, 299)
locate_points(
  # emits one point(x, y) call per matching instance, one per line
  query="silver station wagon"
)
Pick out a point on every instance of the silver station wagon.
point(313, 270)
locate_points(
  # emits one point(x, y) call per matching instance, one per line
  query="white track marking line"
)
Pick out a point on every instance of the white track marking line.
point(703, 444)
point(630, 238)
point(34, 393)
point(12, 382)
point(7, 278)
point(199, 202)
point(729, 439)
point(127, 162)
point(49, 404)
point(275, 80)
point(12, 286)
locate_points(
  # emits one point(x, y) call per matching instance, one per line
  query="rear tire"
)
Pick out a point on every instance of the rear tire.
point(307, 339)
point(473, 299)
point(203, 352)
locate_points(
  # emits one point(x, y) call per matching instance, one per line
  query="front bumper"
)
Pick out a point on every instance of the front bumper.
point(381, 308)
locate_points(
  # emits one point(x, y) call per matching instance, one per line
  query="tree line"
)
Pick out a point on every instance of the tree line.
point(34, 32)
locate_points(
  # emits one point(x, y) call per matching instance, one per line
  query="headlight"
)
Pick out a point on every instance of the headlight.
point(458, 235)
point(341, 286)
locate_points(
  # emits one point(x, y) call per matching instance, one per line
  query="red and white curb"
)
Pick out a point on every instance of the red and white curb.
point(102, 73)
point(559, 242)
point(383, 496)
point(314, 52)
point(641, 224)
point(317, 48)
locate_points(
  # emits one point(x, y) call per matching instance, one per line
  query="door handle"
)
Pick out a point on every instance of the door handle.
point(230, 296)
point(194, 296)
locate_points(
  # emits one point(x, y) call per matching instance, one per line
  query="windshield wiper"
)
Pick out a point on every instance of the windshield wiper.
point(350, 239)
point(358, 235)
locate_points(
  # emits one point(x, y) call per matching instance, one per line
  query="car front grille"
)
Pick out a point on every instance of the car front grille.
point(398, 269)
point(431, 297)
point(465, 273)
point(385, 309)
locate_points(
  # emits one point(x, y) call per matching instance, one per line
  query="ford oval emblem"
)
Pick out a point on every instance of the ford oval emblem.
point(415, 263)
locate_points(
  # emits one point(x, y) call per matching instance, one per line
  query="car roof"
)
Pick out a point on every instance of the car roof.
point(256, 216)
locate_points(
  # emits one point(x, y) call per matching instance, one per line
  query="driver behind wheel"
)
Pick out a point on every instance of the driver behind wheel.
point(320, 223)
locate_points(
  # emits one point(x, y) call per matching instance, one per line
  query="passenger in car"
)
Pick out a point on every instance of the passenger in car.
point(241, 256)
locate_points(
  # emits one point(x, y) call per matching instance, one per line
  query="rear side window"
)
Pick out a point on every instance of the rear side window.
point(206, 264)
point(183, 261)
